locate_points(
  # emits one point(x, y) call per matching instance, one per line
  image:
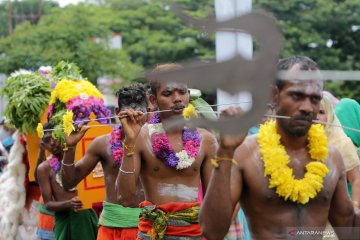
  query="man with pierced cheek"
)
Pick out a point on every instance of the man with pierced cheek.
point(287, 178)
point(170, 164)
point(116, 222)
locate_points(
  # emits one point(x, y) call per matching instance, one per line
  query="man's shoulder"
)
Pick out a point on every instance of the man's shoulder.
point(100, 141)
point(103, 137)
point(334, 156)
point(246, 151)
point(250, 143)
point(44, 166)
point(206, 133)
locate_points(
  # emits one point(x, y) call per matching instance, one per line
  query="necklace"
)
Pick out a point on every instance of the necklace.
point(276, 160)
point(56, 166)
point(165, 152)
point(117, 149)
point(54, 163)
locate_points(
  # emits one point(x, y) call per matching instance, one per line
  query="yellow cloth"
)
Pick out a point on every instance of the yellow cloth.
point(338, 138)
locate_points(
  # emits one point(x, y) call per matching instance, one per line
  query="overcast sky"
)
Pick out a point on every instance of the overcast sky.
point(63, 3)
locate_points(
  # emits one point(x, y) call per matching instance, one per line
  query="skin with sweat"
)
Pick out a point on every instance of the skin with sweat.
point(98, 151)
point(55, 197)
point(267, 213)
point(160, 181)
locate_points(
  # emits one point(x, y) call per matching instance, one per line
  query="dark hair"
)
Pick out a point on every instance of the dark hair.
point(153, 82)
point(133, 96)
point(306, 64)
point(48, 125)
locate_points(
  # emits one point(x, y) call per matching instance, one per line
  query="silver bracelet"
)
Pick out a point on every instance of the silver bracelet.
point(126, 171)
point(66, 164)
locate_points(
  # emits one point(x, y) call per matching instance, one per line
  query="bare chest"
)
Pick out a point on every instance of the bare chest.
point(58, 192)
point(154, 166)
point(258, 189)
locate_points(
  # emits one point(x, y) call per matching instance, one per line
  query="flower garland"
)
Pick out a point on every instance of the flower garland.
point(276, 160)
point(67, 122)
point(81, 97)
point(40, 130)
point(117, 149)
point(189, 111)
point(164, 151)
point(54, 163)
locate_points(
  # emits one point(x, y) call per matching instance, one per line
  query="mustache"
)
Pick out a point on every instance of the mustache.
point(303, 117)
point(177, 107)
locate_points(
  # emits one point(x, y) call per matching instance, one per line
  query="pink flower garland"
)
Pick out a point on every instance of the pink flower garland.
point(164, 151)
point(54, 164)
point(117, 149)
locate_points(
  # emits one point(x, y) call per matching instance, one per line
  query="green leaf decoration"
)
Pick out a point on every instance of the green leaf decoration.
point(66, 70)
point(27, 95)
point(204, 108)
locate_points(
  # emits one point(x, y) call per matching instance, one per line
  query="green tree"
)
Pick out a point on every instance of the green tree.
point(67, 34)
point(21, 11)
point(325, 30)
point(153, 34)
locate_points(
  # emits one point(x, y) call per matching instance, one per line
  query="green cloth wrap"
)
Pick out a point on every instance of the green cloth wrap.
point(117, 216)
point(43, 210)
point(160, 219)
point(71, 225)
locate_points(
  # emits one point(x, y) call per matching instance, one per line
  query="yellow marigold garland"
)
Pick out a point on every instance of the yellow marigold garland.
point(68, 123)
point(190, 111)
point(281, 176)
point(40, 130)
point(68, 89)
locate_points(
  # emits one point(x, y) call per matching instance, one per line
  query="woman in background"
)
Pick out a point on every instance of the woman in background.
point(338, 138)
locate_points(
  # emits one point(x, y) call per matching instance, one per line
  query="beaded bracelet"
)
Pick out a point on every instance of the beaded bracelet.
point(126, 171)
point(129, 148)
point(215, 161)
point(67, 164)
point(66, 148)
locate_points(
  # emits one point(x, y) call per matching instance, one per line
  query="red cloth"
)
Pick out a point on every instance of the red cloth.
point(106, 233)
point(45, 222)
point(98, 207)
point(190, 231)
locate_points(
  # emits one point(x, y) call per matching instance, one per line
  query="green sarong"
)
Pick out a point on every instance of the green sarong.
point(117, 216)
point(71, 225)
point(43, 210)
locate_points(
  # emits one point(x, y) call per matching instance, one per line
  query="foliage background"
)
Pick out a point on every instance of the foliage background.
point(325, 30)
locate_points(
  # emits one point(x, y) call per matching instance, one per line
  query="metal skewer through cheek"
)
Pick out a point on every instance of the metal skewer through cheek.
point(266, 115)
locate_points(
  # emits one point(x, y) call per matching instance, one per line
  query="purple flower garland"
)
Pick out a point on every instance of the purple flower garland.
point(54, 164)
point(164, 151)
point(82, 109)
point(117, 149)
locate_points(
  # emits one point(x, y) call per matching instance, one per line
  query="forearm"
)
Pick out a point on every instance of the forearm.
point(68, 169)
point(40, 159)
point(55, 206)
point(215, 207)
point(126, 182)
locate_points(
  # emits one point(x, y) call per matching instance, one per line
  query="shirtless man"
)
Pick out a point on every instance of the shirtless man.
point(269, 214)
point(170, 164)
point(70, 221)
point(116, 221)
